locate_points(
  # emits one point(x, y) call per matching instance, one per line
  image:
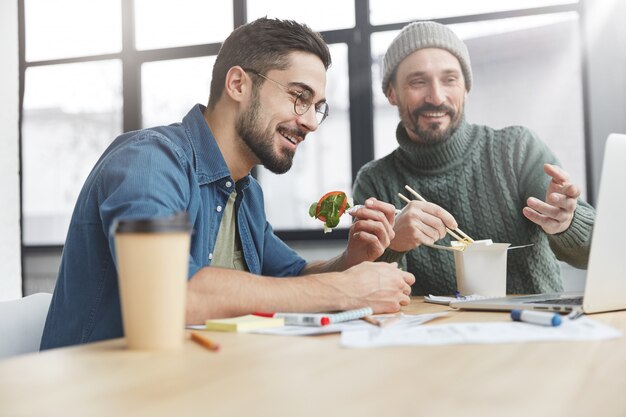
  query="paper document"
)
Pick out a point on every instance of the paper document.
point(438, 299)
point(580, 329)
point(407, 321)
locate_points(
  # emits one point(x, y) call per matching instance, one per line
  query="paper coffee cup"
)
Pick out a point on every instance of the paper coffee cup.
point(152, 263)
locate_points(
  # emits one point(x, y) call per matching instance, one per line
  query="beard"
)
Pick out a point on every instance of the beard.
point(261, 141)
point(432, 133)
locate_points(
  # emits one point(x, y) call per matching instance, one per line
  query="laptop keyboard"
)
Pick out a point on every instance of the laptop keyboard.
point(559, 301)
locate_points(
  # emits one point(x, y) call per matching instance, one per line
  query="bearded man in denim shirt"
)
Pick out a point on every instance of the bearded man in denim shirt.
point(267, 94)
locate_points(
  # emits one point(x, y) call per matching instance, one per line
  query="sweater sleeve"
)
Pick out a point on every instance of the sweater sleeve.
point(364, 188)
point(572, 245)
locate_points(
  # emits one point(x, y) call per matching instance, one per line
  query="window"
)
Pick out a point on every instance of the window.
point(53, 33)
point(167, 24)
point(392, 11)
point(71, 113)
point(320, 16)
point(170, 88)
point(111, 66)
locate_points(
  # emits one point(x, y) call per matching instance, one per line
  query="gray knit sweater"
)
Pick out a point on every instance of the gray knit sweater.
point(483, 177)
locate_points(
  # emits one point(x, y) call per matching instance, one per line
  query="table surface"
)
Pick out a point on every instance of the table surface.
point(256, 375)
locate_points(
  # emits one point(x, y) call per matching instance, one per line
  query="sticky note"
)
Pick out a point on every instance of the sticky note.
point(243, 323)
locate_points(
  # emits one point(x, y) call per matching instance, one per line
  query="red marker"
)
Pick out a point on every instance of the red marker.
point(299, 319)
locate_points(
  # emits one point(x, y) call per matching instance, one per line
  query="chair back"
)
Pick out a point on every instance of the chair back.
point(21, 324)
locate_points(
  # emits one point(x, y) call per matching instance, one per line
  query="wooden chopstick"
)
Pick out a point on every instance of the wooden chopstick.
point(419, 197)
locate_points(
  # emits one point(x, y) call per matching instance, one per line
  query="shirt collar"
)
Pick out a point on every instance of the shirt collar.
point(208, 159)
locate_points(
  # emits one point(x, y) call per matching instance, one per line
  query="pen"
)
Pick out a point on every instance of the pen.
point(299, 319)
point(536, 317)
point(348, 315)
point(202, 340)
point(372, 320)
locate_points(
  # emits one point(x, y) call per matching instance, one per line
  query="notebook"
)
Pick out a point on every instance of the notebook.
point(243, 323)
point(605, 286)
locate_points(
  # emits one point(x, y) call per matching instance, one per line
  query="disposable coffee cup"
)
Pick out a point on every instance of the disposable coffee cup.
point(481, 268)
point(152, 264)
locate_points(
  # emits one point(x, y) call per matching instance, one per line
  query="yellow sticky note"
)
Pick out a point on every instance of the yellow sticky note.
point(243, 323)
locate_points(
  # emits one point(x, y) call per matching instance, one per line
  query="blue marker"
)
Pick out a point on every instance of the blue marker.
point(536, 317)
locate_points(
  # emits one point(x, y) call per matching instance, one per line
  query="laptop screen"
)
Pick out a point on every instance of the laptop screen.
point(605, 288)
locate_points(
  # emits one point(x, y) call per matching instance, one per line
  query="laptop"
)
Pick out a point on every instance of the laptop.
point(605, 286)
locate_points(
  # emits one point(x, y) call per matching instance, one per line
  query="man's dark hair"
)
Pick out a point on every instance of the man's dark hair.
point(264, 45)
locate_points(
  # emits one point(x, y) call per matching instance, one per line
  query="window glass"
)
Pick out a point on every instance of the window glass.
point(526, 71)
point(322, 161)
point(164, 23)
point(71, 113)
point(170, 88)
point(393, 11)
point(321, 15)
point(89, 28)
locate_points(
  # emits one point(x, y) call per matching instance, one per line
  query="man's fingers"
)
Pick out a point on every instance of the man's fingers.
point(547, 223)
point(382, 230)
point(373, 236)
point(553, 204)
point(552, 211)
point(375, 210)
point(571, 190)
point(432, 217)
point(442, 214)
point(563, 202)
point(409, 279)
point(405, 301)
point(388, 210)
point(426, 234)
point(561, 181)
point(558, 174)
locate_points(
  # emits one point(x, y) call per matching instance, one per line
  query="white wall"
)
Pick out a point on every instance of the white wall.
point(10, 246)
point(605, 43)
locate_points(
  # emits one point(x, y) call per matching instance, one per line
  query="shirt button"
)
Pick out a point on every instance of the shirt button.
point(210, 256)
point(228, 184)
point(219, 209)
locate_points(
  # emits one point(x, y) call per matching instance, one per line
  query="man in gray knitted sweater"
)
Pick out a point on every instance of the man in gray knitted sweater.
point(502, 184)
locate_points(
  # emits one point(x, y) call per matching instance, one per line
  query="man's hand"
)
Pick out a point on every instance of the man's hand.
point(420, 222)
point(556, 213)
point(371, 232)
point(379, 285)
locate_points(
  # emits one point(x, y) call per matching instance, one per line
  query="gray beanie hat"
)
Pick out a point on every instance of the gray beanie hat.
point(421, 35)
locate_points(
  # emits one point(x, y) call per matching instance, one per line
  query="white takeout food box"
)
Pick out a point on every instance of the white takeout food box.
point(481, 268)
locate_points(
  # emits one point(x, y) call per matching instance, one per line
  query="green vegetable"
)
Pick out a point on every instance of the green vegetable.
point(329, 208)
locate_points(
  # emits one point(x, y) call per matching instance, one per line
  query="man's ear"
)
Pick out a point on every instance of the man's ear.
point(237, 84)
point(391, 95)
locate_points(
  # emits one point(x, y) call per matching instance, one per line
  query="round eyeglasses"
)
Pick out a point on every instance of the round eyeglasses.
point(303, 99)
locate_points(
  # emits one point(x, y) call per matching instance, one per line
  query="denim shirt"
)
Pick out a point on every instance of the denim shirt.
point(153, 173)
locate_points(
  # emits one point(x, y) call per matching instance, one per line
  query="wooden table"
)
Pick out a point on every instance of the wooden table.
point(258, 375)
